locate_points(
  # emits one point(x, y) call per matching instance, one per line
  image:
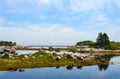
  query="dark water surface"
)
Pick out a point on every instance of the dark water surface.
point(85, 72)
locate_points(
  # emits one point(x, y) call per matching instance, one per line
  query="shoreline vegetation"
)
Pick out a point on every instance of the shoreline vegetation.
point(42, 59)
point(100, 52)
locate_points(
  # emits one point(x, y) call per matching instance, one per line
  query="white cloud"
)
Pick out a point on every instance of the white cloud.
point(42, 34)
point(33, 7)
point(81, 5)
point(3, 21)
point(94, 21)
point(89, 5)
point(56, 33)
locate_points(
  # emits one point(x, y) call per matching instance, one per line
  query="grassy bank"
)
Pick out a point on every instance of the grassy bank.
point(42, 59)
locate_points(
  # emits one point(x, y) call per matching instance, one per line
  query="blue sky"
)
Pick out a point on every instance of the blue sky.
point(58, 21)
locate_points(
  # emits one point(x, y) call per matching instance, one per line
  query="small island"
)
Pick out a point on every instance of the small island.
point(99, 52)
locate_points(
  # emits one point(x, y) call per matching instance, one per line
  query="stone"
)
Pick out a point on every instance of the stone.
point(58, 58)
point(13, 51)
point(5, 55)
point(98, 57)
point(54, 53)
point(79, 57)
point(33, 57)
point(25, 56)
point(69, 56)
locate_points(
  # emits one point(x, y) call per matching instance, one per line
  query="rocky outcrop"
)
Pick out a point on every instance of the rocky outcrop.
point(7, 53)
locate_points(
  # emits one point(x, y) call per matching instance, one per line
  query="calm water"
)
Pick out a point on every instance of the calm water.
point(85, 72)
point(26, 51)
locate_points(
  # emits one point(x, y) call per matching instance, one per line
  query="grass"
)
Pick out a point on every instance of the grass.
point(42, 59)
point(115, 45)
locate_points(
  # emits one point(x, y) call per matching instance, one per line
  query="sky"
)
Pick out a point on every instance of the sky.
point(58, 22)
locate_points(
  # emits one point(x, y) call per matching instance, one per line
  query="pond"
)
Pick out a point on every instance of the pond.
point(85, 72)
point(61, 52)
point(26, 51)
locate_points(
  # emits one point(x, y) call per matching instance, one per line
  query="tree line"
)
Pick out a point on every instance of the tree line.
point(7, 43)
point(102, 41)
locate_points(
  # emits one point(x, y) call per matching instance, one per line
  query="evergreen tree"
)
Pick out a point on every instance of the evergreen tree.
point(103, 40)
point(100, 40)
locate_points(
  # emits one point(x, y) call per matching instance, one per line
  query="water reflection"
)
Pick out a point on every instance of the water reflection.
point(103, 67)
point(16, 69)
point(69, 67)
point(57, 67)
point(100, 68)
point(79, 67)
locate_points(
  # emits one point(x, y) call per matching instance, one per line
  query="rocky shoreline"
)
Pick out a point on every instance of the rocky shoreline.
point(10, 59)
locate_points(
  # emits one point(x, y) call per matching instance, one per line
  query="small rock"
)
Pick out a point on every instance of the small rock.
point(25, 56)
point(33, 57)
point(58, 58)
point(41, 55)
point(69, 56)
point(54, 53)
point(79, 57)
point(98, 57)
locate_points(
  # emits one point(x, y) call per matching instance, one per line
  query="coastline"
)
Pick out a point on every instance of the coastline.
point(42, 59)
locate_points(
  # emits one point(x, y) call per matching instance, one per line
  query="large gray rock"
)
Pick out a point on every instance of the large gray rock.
point(5, 55)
